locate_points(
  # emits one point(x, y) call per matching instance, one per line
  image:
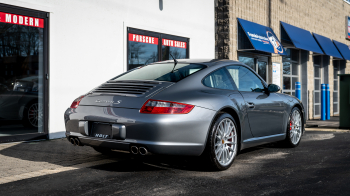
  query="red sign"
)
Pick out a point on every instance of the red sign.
point(21, 20)
point(173, 43)
point(143, 39)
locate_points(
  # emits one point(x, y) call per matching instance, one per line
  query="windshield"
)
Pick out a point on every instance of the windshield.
point(162, 72)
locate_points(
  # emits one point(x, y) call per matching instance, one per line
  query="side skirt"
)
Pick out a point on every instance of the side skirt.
point(256, 141)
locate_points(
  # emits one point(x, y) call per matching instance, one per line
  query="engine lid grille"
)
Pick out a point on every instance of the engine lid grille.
point(127, 88)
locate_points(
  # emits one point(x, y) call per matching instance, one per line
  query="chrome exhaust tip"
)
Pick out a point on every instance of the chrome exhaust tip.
point(77, 142)
point(72, 141)
point(143, 151)
point(134, 150)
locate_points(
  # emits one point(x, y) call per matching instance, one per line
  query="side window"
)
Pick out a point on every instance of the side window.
point(245, 79)
point(218, 79)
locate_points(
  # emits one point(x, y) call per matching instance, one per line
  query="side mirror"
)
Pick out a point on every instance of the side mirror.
point(272, 88)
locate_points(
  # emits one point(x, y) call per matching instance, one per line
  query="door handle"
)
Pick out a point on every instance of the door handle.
point(250, 105)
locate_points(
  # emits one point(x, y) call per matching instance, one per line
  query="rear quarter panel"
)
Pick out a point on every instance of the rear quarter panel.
point(191, 91)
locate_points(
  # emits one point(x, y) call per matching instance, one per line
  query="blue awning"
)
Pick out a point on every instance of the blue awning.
point(261, 38)
point(300, 38)
point(343, 49)
point(327, 46)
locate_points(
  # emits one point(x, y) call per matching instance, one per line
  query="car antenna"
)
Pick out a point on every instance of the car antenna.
point(175, 62)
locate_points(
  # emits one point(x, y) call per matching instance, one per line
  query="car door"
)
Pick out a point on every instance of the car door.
point(265, 110)
point(222, 84)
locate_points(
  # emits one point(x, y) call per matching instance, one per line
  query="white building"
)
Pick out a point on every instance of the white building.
point(53, 51)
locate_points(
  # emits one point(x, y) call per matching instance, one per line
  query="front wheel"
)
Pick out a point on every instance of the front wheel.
point(294, 128)
point(222, 143)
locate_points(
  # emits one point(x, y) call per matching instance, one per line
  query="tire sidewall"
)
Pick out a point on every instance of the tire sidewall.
point(212, 138)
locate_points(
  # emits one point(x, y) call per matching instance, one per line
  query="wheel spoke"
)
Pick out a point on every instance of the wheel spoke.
point(226, 128)
point(219, 155)
point(230, 149)
point(222, 130)
point(218, 150)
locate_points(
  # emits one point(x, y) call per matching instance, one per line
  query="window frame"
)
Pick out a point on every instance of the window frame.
point(160, 36)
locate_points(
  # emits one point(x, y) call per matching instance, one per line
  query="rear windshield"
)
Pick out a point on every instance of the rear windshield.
point(162, 72)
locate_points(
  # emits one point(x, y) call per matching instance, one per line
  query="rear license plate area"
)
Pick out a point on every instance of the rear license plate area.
point(101, 130)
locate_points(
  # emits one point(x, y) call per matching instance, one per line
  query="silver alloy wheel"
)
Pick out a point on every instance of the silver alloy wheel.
point(225, 142)
point(295, 127)
point(35, 115)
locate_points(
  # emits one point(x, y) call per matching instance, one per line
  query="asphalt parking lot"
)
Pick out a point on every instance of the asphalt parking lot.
point(319, 166)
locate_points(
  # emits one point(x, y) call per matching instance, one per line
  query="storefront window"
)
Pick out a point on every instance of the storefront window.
point(142, 50)
point(145, 47)
point(21, 75)
point(262, 69)
point(258, 64)
point(290, 71)
point(248, 61)
point(335, 87)
point(173, 47)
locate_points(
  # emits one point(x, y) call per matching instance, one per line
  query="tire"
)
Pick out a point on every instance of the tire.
point(104, 151)
point(33, 115)
point(222, 159)
point(295, 129)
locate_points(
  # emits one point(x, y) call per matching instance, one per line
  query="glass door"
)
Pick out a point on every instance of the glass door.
point(317, 89)
point(290, 71)
point(335, 87)
point(23, 61)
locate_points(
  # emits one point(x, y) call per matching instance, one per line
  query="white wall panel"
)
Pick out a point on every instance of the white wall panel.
point(88, 40)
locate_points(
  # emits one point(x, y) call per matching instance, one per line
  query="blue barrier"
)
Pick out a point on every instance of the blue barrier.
point(328, 103)
point(323, 102)
point(298, 90)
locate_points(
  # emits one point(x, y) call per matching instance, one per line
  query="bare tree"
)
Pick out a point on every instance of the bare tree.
point(136, 49)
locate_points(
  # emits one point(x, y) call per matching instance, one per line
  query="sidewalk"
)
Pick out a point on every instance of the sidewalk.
point(333, 123)
point(23, 160)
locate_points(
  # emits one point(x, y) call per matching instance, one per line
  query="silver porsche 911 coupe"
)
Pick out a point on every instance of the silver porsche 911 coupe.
point(213, 108)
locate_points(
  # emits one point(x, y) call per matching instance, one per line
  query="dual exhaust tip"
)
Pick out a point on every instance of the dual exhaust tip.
point(75, 141)
point(139, 150)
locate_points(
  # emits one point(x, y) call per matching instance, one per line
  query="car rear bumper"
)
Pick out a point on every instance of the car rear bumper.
point(174, 134)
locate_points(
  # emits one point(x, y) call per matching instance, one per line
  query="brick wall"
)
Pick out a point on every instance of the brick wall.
point(323, 17)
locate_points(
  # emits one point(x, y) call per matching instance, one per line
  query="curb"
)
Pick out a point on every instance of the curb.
point(328, 129)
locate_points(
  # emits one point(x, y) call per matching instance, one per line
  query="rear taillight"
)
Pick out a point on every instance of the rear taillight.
point(165, 107)
point(76, 102)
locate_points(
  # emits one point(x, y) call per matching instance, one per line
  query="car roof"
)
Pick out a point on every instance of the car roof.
point(208, 62)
